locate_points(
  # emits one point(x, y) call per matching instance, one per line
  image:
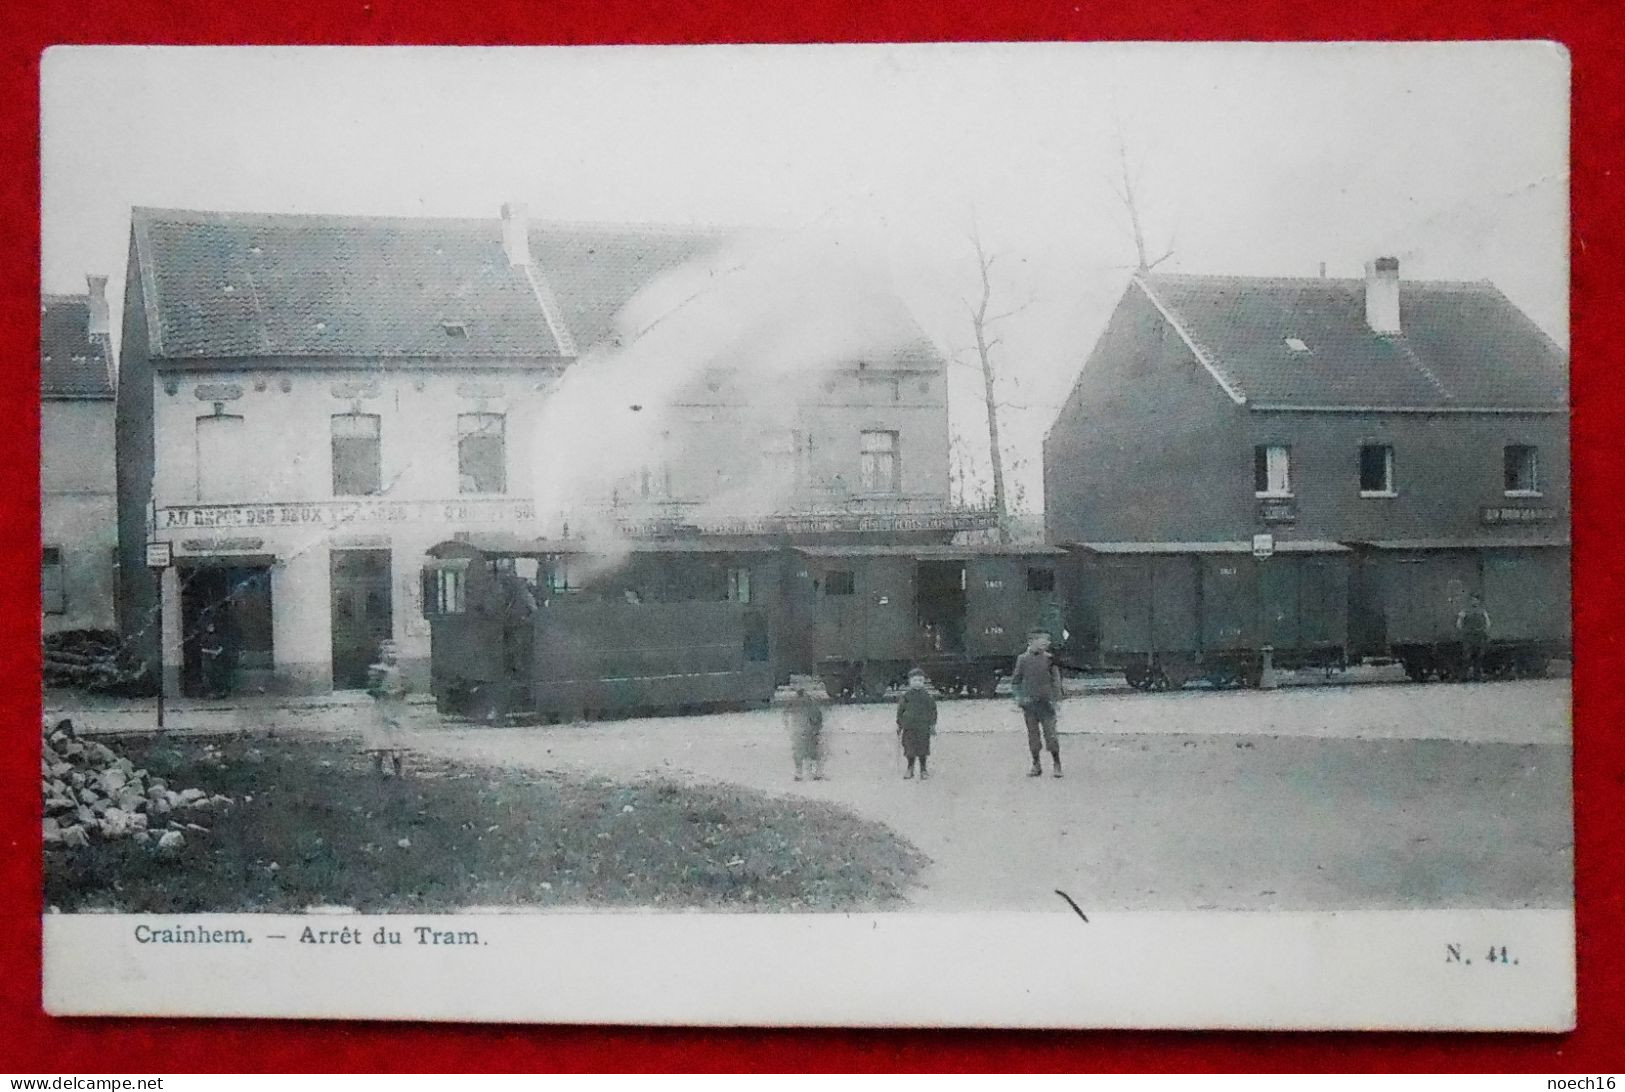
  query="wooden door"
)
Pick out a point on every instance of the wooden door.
point(362, 613)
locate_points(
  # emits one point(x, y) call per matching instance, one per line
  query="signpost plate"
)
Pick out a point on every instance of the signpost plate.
point(160, 555)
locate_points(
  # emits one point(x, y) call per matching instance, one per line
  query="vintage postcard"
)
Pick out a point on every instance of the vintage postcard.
point(1045, 535)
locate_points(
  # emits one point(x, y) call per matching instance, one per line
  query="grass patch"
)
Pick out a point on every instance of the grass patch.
point(314, 825)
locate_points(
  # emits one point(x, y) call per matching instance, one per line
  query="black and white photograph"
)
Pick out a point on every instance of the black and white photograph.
point(1048, 535)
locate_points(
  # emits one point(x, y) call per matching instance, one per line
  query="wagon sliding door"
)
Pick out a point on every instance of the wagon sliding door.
point(1230, 614)
point(1526, 593)
point(1173, 604)
point(1120, 584)
point(886, 588)
point(1423, 590)
point(1323, 601)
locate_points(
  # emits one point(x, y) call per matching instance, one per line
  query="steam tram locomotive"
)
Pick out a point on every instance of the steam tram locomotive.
point(560, 630)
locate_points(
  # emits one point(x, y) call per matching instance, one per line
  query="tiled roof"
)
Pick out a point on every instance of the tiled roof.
point(593, 271)
point(253, 285)
point(72, 363)
point(1462, 346)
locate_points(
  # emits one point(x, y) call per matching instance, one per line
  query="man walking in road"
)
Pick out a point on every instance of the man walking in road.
point(1036, 683)
point(1473, 624)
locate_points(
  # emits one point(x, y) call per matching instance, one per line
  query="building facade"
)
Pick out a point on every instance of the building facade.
point(311, 402)
point(78, 517)
point(1214, 409)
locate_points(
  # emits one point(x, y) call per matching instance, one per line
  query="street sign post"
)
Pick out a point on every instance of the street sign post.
point(160, 556)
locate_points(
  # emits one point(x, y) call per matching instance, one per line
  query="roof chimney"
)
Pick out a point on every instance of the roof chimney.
point(516, 233)
point(99, 318)
point(1382, 296)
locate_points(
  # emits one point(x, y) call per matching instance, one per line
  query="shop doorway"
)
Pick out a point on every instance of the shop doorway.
point(363, 614)
point(225, 607)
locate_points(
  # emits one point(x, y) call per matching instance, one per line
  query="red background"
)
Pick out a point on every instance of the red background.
point(1593, 30)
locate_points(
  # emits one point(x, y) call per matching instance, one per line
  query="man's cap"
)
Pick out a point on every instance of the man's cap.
point(920, 671)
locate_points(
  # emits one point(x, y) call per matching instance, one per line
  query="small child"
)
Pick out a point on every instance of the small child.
point(388, 688)
point(805, 718)
point(916, 723)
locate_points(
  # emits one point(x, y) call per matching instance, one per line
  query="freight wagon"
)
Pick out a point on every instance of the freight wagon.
point(1409, 594)
point(557, 630)
point(865, 615)
point(1166, 613)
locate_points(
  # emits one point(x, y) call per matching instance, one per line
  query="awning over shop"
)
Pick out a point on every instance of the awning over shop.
point(1281, 546)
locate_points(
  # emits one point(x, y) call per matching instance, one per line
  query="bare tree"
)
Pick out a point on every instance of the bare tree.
point(982, 325)
point(1124, 189)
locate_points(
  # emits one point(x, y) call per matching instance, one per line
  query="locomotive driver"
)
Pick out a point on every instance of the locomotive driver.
point(1036, 683)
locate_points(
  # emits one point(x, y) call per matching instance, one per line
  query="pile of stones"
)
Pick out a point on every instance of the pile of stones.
point(93, 793)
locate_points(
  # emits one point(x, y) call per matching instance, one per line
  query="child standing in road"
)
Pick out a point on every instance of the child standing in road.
point(388, 688)
point(916, 723)
point(804, 716)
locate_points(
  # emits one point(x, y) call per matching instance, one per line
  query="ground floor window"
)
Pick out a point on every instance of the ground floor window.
point(53, 590)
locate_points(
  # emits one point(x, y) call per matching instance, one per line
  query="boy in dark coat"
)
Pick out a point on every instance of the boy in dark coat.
point(916, 723)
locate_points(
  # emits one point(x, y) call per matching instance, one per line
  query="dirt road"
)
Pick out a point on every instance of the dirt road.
point(1370, 797)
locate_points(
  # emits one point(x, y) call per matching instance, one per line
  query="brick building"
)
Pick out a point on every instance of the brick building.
point(310, 402)
point(78, 518)
point(1216, 408)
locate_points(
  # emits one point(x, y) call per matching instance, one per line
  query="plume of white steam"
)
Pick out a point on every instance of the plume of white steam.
point(769, 317)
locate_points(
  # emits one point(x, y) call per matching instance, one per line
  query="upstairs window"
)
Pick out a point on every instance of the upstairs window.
point(838, 583)
point(1040, 580)
point(481, 453)
point(1521, 470)
point(654, 482)
point(739, 585)
point(356, 464)
point(227, 469)
point(1272, 470)
point(782, 454)
point(879, 469)
point(53, 589)
point(880, 389)
point(1376, 470)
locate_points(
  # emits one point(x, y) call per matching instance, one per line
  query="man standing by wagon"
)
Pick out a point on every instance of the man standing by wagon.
point(1473, 623)
point(1036, 683)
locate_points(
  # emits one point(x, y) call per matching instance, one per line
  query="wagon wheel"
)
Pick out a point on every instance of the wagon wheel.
point(986, 686)
point(1137, 677)
point(835, 687)
point(874, 685)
